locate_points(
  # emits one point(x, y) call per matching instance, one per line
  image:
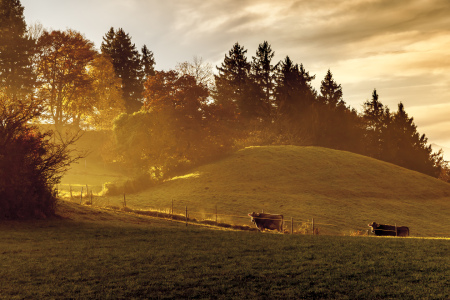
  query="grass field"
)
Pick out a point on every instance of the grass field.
point(342, 191)
point(94, 253)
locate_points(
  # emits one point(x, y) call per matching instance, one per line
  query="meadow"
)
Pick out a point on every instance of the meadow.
point(99, 254)
point(343, 192)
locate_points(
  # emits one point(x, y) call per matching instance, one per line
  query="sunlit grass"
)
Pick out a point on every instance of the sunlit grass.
point(67, 259)
point(191, 175)
point(342, 191)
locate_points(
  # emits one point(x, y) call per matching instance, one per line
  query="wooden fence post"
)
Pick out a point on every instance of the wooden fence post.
point(124, 201)
point(81, 195)
point(292, 225)
point(91, 198)
point(313, 226)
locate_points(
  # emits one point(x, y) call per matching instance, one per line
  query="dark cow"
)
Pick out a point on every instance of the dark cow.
point(389, 230)
point(267, 221)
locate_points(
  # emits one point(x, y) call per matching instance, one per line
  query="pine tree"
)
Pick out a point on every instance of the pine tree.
point(16, 51)
point(148, 63)
point(294, 103)
point(293, 92)
point(127, 64)
point(374, 115)
point(263, 81)
point(338, 124)
point(232, 80)
point(331, 92)
point(412, 150)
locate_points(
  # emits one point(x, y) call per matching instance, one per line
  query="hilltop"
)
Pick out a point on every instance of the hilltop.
point(342, 191)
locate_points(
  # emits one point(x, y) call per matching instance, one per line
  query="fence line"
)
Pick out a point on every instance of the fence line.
point(89, 194)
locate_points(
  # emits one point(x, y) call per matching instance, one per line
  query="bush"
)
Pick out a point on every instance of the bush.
point(30, 163)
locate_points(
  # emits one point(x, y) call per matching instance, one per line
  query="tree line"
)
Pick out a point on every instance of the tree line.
point(163, 122)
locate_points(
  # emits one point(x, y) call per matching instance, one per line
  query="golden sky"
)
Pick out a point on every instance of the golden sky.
point(399, 47)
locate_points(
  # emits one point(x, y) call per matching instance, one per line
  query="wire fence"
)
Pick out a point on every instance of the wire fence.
point(83, 194)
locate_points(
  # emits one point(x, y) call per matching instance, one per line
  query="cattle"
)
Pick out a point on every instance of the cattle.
point(389, 230)
point(267, 221)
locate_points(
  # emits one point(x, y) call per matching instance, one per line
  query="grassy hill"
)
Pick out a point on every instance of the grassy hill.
point(342, 191)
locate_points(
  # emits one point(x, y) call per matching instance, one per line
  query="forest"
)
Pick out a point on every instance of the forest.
point(163, 122)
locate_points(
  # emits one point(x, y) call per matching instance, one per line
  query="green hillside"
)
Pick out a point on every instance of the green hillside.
point(342, 191)
point(333, 187)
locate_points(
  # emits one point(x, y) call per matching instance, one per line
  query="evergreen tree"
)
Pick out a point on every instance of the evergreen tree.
point(293, 92)
point(294, 102)
point(232, 80)
point(127, 64)
point(411, 148)
point(374, 116)
point(330, 91)
point(16, 51)
point(338, 125)
point(263, 81)
point(148, 63)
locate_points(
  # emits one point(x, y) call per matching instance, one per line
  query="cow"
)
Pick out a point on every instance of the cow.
point(389, 230)
point(267, 221)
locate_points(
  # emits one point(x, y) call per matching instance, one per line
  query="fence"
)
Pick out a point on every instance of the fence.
point(83, 194)
point(184, 214)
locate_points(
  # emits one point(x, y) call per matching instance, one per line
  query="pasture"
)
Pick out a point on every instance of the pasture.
point(94, 253)
point(342, 191)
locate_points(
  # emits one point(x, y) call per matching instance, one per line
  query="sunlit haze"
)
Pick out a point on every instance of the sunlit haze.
point(398, 47)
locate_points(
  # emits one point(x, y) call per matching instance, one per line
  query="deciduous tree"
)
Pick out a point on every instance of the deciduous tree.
point(63, 76)
point(106, 94)
point(197, 68)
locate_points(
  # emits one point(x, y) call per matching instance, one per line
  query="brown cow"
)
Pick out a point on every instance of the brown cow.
point(267, 221)
point(389, 230)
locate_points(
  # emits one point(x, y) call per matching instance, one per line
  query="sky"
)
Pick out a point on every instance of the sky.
point(401, 48)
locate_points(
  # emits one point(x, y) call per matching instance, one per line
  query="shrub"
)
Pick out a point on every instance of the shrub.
point(30, 163)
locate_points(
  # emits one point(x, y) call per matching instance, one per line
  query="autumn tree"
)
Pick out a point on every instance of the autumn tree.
point(200, 70)
point(16, 51)
point(106, 94)
point(64, 82)
point(181, 100)
point(128, 66)
point(175, 128)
